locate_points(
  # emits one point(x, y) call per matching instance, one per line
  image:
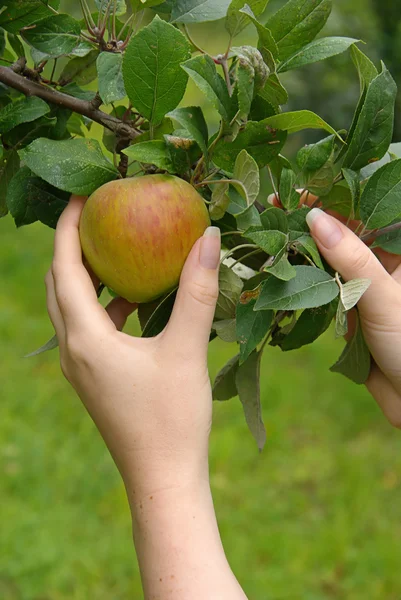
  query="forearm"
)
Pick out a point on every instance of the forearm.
point(179, 549)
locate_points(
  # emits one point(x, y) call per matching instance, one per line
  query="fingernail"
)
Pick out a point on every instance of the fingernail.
point(324, 228)
point(209, 254)
point(271, 199)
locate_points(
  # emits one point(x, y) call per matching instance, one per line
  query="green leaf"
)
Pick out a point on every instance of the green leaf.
point(352, 179)
point(311, 288)
point(366, 69)
point(297, 23)
point(297, 221)
point(15, 44)
point(141, 4)
point(22, 13)
point(22, 110)
point(219, 202)
point(266, 43)
point(289, 197)
point(54, 36)
point(246, 171)
point(245, 76)
point(307, 246)
point(153, 153)
point(180, 149)
point(281, 268)
point(316, 51)
point(153, 77)
point(270, 241)
point(191, 118)
point(203, 71)
point(298, 121)
point(252, 327)
point(80, 70)
point(274, 218)
point(160, 317)
point(381, 198)
point(198, 11)
point(350, 294)
point(390, 242)
point(118, 5)
point(274, 92)
point(77, 165)
point(224, 387)
point(261, 109)
point(314, 156)
point(261, 143)
point(9, 165)
point(322, 181)
point(226, 330)
point(374, 127)
point(72, 89)
point(355, 361)
point(230, 286)
point(50, 345)
point(29, 199)
point(312, 323)
point(247, 381)
point(111, 83)
point(338, 200)
point(236, 21)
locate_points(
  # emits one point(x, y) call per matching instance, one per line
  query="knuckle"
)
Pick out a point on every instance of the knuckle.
point(203, 293)
point(360, 261)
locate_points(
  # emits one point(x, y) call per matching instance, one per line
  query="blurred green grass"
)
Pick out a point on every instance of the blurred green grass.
point(315, 516)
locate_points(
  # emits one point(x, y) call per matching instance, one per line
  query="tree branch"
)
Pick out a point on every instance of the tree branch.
point(370, 237)
point(10, 76)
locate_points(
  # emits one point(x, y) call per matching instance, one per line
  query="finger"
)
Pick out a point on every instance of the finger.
point(75, 293)
point(190, 324)
point(53, 308)
point(305, 198)
point(386, 396)
point(348, 255)
point(119, 310)
point(390, 262)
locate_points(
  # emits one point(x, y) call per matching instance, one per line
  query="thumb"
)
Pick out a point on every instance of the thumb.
point(348, 255)
point(191, 321)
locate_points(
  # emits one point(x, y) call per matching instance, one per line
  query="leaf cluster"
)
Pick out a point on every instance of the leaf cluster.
point(275, 288)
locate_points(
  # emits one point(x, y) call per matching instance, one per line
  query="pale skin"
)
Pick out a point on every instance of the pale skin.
point(151, 398)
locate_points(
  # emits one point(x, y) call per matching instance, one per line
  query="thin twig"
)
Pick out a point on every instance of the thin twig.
point(272, 182)
point(370, 237)
point(233, 250)
point(190, 38)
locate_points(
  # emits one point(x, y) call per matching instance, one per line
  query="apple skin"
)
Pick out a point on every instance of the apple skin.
point(136, 233)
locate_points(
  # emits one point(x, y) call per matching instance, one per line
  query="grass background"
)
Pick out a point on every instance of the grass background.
point(316, 516)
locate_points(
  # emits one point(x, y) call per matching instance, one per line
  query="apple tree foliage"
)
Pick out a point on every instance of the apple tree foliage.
point(138, 56)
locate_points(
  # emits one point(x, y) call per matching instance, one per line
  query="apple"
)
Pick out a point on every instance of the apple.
point(136, 233)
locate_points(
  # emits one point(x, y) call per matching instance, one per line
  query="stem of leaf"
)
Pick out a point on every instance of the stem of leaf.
point(53, 70)
point(272, 182)
point(224, 63)
point(241, 247)
point(114, 20)
point(191, 40)
point(258, 251)
point(226, 233)
point(213, 181)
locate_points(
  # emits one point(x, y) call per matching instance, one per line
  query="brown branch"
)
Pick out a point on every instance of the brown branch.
point(370, 237)
point(10, 76)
